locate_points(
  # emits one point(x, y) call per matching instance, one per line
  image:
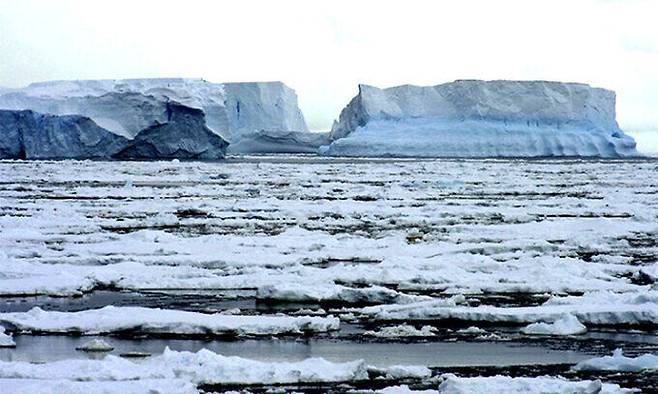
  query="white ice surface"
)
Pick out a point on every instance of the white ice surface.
point(622, 312)
point(340, 231)
point(111, 319)
point(619, 362)
point(565, 325)
point(61, 386)
point(231, 109)
point(540, 385)
point(402, 331)
point(481, 119)
point(202, 367)
point(6, 340)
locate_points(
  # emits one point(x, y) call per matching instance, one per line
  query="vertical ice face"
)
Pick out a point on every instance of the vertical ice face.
point(481, 118)
point(257, 106)
point(30, 135)
point(184, 136)
point(126, 107)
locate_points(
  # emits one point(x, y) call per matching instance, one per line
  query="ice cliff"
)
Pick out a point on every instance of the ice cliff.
point(183, 136)
point(233, 111)
point(470, 118)
point(30, 135)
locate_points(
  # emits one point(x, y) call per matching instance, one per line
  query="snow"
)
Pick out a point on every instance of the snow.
point(508, 385)
point(301, 231)
point(111, 319)
point(469, 118)
point(402, 331)
point(619, 362)
point(202, 367)
point(396, 372)
point(472, 330)
point(331, 292)
point(619, 313)
point(59, 386)
point(414, 240)
point(404, 389)
point(96, 345)
point(6, 340)
point(566, 325)
point(126, 107)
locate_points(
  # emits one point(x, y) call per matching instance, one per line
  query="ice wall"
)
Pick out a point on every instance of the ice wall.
point(471, 118)
point(30, 135)
point(128, 106)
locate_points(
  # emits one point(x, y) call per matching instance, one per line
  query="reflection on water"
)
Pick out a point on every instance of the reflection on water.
point(440, 354)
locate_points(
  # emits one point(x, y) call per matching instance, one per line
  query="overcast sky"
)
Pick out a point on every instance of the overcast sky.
point(323, 49)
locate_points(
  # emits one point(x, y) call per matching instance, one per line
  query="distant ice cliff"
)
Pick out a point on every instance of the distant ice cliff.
point(470, 118)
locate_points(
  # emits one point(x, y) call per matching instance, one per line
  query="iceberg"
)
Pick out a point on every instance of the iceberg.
point(472, 118)
point(256, 116)
point(31, 135)
point(183, 136)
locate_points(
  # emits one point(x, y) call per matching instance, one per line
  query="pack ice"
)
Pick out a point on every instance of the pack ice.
point(255, 116)
point(472, 118)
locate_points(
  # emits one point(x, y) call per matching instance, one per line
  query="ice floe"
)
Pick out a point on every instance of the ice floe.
point(566, 325)
point(402, 331)
point(6, 340)
point(635, 311)
point(619, 362)
point(508, 385)
point(111, 319)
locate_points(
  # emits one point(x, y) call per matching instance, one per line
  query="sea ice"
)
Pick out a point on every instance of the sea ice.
point(566, 325)
point(111, 319)
point(540, 385)
point(619, 362)
point(5, 339)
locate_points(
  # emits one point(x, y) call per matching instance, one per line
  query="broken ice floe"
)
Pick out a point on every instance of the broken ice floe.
point(139, 320)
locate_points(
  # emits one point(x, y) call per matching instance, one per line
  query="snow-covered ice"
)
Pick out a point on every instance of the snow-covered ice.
point(619, 362)
point(139, 320)
point(470, 118)
point(620, 313)
point(402, 331)
point(543, 385)
point(6, 340)
point(96, 345)
point(203, 367)
point(565, 325)
point(59, 386)
point(383, 244)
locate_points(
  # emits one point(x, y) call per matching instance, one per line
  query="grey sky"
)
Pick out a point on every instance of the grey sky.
point(323, 49)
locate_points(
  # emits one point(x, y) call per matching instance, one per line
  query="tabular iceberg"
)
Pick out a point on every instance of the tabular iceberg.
point(237, 112)
point(470, 118)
